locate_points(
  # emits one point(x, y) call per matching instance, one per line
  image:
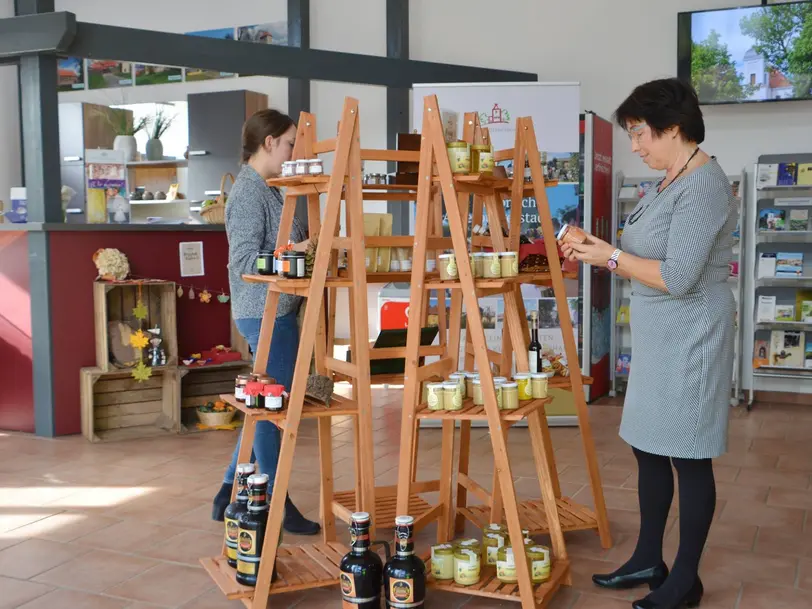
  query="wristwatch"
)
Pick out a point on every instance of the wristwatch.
point(611, 264)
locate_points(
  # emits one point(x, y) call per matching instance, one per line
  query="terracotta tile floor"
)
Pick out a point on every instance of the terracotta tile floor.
point(121, 526)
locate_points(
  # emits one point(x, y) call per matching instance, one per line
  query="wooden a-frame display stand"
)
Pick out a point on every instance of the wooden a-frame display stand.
point(504, 506)
point(316, 565)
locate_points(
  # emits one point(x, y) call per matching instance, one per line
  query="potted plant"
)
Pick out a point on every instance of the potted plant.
point(160, 123)
point(125, 129)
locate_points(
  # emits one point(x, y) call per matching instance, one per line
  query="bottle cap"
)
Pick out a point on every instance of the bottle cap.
point(404, 521)
point(360, 517)
point(257, 479)
point(246, 468)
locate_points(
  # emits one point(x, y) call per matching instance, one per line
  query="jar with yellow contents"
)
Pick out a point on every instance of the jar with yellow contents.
point(452, 396)
point(448, 267)
point(469, 383)
point(510, 396)
point(493, 538)
point(491, 266)
point(525, 389)
point(442, 562)
point(459, 377)
point(435, 396)
point(481, 159)
point(467, 566)
point(540, 563)
point(459, 155)
point(509, 264)
point(539, 384)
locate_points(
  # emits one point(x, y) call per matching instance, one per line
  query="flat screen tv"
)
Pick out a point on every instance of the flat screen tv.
point(747, 54)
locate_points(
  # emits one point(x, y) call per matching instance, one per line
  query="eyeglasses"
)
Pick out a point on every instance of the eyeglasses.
point(636, 132)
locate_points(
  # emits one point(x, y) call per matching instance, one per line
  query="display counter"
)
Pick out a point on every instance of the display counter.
point(65, 330)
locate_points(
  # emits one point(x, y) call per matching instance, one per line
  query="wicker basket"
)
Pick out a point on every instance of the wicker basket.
point(216, 213)
point(215, 419)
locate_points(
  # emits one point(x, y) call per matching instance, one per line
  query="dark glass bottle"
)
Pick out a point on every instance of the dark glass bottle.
point(361, 569)
point(534, 349)
point(252, 530)
point(236, 509)
point(404, 576)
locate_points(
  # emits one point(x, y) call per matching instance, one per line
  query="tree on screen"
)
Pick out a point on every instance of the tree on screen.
point(783, 36)
point(713, 72)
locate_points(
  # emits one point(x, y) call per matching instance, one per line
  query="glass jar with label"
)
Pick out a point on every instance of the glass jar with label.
point(506, 566)
point(459, 155)
point(491, 267)
point(239, 386)
point(467, 567)
point(434, 396)
point(273, 396)
point(510, 396)
point(265, 263)
point(476, 386)
point(481, 158)
point(315, 167)
point(460, 378)
point(452, 396)
point(301, 167)
point(540, 563)
point(448, 267)
point(493, 538)
point(479, 261)
point(497, 387)
point(288, 169)
point(525, 390)
point(539, 383)
point(469, 383)
point(509, 264)
point(468, 544)
point(442, 562)
point(472, 261)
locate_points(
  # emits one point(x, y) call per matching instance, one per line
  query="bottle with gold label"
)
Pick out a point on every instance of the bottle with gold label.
point(361, 569)
point(253, 524)
point(404, 576)
point(236, 509)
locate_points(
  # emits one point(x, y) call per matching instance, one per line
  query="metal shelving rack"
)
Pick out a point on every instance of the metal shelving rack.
point(757, 242)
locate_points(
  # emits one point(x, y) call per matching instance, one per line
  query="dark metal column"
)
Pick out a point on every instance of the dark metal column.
point(40, 138)
point(397, 99)
point(299, 88)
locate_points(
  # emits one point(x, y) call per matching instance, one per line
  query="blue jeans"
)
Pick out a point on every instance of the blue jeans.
point(281, 363)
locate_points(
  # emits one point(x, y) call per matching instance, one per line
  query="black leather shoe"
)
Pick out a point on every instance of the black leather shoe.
point(652, 577)
point(295, 523)
point(689, 601)
point(221, 501)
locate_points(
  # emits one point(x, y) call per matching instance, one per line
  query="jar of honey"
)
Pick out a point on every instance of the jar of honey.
point(459, 155)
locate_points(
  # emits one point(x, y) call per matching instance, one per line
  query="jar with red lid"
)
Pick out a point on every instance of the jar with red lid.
point(273, 397)
point(253, 393)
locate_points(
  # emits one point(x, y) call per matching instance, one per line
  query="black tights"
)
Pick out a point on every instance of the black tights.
point(697, 502)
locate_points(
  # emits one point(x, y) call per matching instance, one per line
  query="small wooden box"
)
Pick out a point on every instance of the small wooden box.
point(202, 384)
point(117, 407)
point(115, 301)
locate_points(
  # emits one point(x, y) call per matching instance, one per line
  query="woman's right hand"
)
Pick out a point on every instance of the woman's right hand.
point(567, 250)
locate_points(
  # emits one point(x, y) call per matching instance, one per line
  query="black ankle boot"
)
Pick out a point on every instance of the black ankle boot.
point(691, 599)
point(652, 577)
point(221, 501)
point(296, 524)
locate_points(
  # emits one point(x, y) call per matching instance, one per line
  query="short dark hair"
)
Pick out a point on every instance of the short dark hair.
point(664, 103)
point(259, 126)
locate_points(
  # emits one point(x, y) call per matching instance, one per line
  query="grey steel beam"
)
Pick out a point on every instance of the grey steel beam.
point(98, 41)
point(32, 34)
point(397, 99)
point(40, 122)
point(299, 88)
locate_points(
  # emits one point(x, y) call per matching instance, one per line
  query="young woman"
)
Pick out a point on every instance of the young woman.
point(676, 246)
point(253, 214)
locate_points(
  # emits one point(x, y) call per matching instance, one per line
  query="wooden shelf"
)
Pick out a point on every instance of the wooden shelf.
point(470, 412)
point(533, 517)
point(297, 567)
point(339, 406)
point(298, 181)
point(385, 507)
point(492, 284)
point(490, 587)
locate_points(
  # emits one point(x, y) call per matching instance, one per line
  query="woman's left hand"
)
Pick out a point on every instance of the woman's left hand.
point(593, 251)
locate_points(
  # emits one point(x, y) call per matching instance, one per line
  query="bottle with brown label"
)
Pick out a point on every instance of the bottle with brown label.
point(236, 509)
point(253, 524)
point(361, 569)
point(404, 576)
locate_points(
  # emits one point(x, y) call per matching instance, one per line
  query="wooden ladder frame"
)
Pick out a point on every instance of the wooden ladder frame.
point(435, 168)
point(316, 565)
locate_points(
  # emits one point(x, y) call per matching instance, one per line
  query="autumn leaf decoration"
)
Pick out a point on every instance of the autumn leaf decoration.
point(140, 311)
point(139, 340)
point(141, 372)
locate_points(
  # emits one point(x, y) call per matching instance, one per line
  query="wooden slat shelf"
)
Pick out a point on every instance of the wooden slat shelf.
point(470, 412)
point(339, 406)
point(484, 180)
point(385, 507)
point(298, 181)
point(300, 287)
point(490, 587)
point(298, 568)
point(573, 516)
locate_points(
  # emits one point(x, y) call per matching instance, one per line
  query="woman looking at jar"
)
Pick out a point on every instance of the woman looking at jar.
point(675, 248)
point(253, 214)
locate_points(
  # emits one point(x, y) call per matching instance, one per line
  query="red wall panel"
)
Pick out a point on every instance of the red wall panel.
point(16, 370)
point(152, 254)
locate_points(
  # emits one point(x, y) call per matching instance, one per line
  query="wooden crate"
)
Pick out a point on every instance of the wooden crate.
point(117, 407)
point(115, 301)
point(201, 384)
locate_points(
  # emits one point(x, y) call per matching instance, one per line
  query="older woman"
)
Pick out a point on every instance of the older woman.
point(675, 248)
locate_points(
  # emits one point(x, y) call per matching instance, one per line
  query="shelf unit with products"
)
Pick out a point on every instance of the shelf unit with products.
point(781, 258)
point(629, 191)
